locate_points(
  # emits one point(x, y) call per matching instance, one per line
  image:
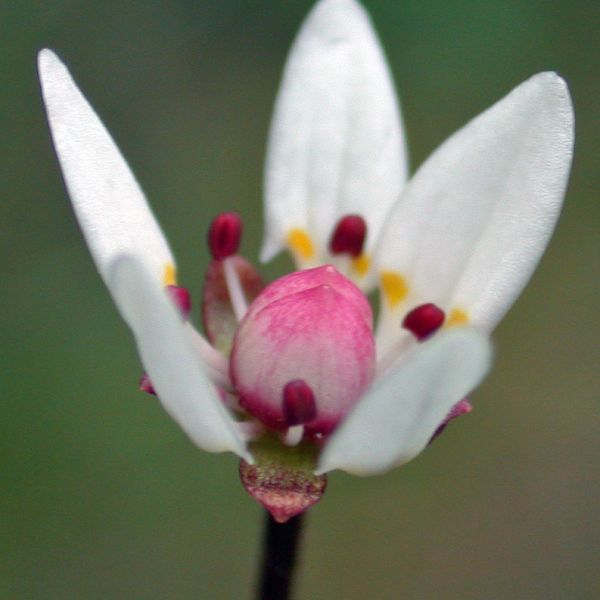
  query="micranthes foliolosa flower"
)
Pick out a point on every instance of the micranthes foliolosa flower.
point(293, 377)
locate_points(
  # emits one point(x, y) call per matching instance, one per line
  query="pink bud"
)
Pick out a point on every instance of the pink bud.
point(313, 326)
point(299, 281)
point(224, 235)
point(349, 236)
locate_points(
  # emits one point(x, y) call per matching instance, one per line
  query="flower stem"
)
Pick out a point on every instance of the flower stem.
point(279, 558)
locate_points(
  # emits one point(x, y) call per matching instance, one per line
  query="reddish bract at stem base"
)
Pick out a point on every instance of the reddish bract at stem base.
point(284, 492)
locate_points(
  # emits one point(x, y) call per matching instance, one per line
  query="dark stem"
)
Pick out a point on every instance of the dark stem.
point(279, 558)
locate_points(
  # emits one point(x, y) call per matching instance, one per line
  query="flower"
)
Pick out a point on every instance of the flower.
point(298, 382)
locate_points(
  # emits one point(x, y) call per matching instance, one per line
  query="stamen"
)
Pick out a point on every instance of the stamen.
point(182, 298)
point(349, 236)
point(235, 289)
point(299, 405)
point(423, 321)
point(463, 407)
point(145, 385)
point(293, 436)
point(224, 235)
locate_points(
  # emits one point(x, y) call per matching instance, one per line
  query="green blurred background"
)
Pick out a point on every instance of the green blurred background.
point(102, 496)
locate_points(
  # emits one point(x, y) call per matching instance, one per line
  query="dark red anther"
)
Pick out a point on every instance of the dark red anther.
point(299, 405)
point(224, 235)
point(182, 298)
point(146, 385)
point(424, 320)
point(349, 236)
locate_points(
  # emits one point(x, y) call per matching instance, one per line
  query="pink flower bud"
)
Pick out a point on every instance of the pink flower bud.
point(314, 326)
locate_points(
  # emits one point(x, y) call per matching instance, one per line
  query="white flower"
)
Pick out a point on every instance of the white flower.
point(464, 235)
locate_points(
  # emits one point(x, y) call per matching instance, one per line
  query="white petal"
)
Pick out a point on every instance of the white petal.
point(168, 356)
point(400, 412)
point(475, 220)
point(336, 144)
point(110, 206)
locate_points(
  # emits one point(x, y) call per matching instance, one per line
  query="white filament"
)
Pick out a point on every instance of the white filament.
point(293, 436)
point(234, 287)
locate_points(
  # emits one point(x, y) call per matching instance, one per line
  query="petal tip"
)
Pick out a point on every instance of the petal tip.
point(550, 78)
point(556, 90)
point(550, 82)
point(45, 55)
point(341, 5)
point(337, 15)
point(47, 60)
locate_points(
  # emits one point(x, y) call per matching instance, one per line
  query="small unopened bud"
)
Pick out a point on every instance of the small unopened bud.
point(224, 235)
point(424, 320)
point(182, 298)
point(299, 405)
point(313, 325)
point(349, 236)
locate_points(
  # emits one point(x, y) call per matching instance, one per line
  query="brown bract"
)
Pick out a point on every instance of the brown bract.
point(282, 479)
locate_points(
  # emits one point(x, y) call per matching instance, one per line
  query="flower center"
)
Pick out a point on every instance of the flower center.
point(304, 352)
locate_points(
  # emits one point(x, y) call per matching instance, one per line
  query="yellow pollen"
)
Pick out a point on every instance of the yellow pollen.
point(361, 264)
point(457, 317)
point(170, 275)
point(394, 287)
point(300, 243)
